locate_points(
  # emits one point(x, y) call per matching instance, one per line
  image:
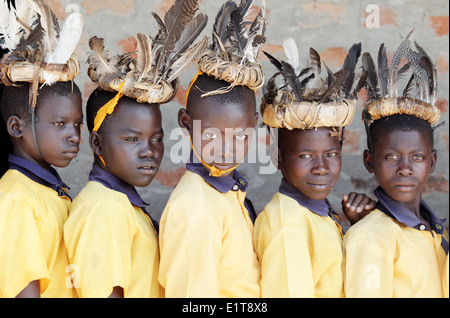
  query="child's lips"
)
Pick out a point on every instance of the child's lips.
point(149, 170)
point(320, 186)
point(405, 187)
point(224, 166)
point(71, 154)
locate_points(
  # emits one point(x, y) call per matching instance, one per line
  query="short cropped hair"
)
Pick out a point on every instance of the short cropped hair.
point(400, 122)
point(205, 84)
point(97, 100)
point(15, 100)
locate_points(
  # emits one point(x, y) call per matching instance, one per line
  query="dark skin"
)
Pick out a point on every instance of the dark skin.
point(58, 131)
point(131, 144)
point(402, 162)
point(225, 133)
point(310, 160)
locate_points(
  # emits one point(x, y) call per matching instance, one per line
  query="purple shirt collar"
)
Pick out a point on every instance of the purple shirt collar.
point(49, 178)
point(234, 182)
point(114, 183)
point(322, 208)
point(399, 212)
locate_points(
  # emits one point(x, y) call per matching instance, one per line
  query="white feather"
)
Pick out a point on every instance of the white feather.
point(11, 29)
point(291, 51)
point(68, 39)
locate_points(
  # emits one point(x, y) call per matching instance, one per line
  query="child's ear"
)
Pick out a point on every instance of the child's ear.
point(14, 125)
point(433, 161)
point(368, 161)
point(256, 120)
point(280, 160)
point(184, 121)
point(95, 143)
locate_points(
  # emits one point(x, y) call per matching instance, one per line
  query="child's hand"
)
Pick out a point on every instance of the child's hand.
point(356, 206)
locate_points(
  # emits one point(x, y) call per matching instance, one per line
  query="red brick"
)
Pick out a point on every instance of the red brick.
point(440, 24)
point(170, 178)
point(119, 7)
point(387, 17)
point(334, 56)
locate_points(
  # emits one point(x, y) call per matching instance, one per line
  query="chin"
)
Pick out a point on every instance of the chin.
point(61, 163)
point(142, 183)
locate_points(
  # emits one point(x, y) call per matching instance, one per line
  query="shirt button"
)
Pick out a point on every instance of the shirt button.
point(236, 187)
point(422, 227)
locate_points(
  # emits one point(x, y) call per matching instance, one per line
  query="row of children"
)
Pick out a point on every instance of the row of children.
point(210, 242)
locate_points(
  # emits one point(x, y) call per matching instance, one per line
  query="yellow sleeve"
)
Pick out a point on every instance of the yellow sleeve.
point(368, 266)
point(286, 269)
point(190, 252)
point(100, 251)
point(22, 256)
point(445, 278)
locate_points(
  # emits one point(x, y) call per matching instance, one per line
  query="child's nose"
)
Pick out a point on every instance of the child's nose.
point(147, 150)
point(321, 166)
point(404, 168)
point(74, 136)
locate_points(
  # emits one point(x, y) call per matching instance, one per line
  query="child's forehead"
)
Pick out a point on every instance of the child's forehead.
point(131, 112)
point(401, 137)
point(59, 103)
point(323, 134)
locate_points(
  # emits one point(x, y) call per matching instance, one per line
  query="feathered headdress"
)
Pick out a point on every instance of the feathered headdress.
point(418, 97)
point(153, 76)
point(232, 55)
point(305, 99)
point(39, 51)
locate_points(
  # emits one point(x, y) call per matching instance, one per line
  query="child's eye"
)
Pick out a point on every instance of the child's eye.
point(131, 139)
point(391, 156)
point(59, 124)
point(305, 156)
point(241, 137)
point(79, 124)
point(158, 139)
point(211, 135)
point(418, 157)
point(332, 154)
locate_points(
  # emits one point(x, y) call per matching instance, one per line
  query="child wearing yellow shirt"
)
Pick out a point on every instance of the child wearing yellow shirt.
point(298, 237)
point(398, 250)
point(111, 239)
point(35, 201)
point(43, 116)
point(206, 227)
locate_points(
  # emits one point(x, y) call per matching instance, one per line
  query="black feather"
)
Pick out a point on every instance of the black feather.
point(350, 66)
point(222, 21)
point(270, 90)
point(274, 61)
point(292, 80)
point(335, 86)
point(237, 20)
point(372, 79)
point(383, 69)
point(409, 86)
point(361, 83)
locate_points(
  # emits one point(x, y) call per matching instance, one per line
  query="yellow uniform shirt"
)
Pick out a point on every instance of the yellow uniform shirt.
point(206, 240)
point(32, 215)
point(111, 242)
point(300, 250)
point(445, 279)
point(391, 254)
